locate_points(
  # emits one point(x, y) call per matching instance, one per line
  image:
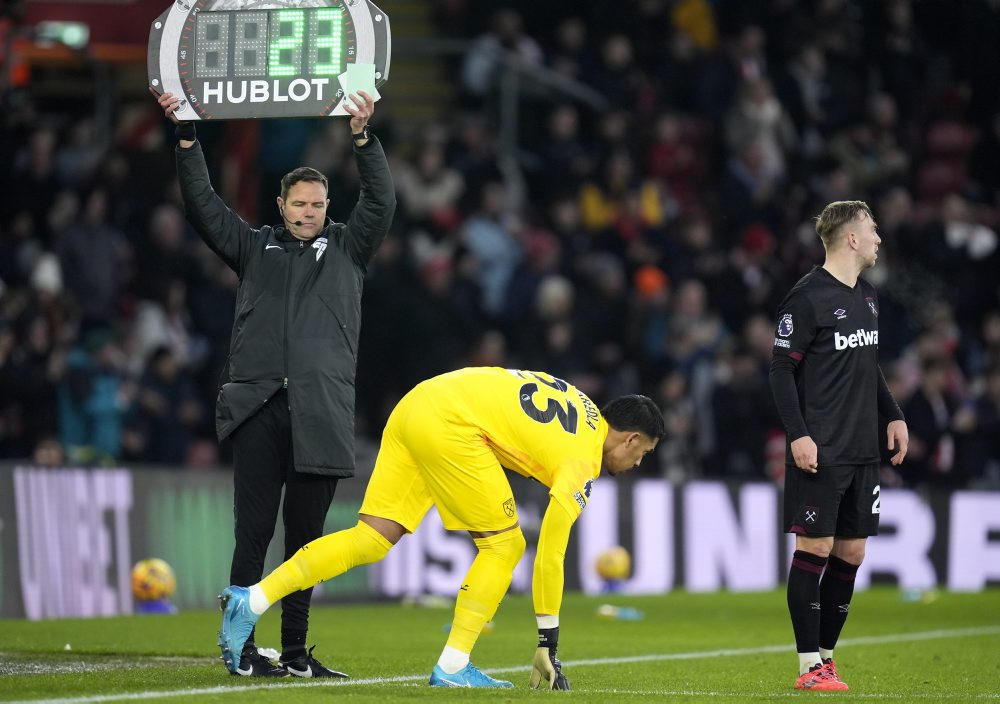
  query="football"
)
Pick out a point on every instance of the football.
point(153, 579)
point(614, 563)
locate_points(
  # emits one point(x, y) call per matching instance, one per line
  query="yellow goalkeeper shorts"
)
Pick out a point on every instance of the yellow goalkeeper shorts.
point(429, 456)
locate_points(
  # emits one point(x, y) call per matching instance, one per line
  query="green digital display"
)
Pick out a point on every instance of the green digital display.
point(276, 43)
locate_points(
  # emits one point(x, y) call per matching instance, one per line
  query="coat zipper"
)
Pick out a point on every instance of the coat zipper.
point(284, 336)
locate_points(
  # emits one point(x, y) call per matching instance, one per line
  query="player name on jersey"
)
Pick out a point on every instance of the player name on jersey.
point(589, 409)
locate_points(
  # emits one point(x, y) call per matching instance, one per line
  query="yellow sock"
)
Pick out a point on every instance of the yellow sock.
point(484, 586)
point(325, 558)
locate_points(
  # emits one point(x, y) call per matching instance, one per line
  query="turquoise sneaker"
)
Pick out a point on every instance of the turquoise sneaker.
point(469, 676)
point(237, 624)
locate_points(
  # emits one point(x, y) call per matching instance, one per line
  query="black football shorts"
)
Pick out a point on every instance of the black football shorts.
point(838, 500)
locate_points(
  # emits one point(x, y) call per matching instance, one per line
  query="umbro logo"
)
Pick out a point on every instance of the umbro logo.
point(840, 313)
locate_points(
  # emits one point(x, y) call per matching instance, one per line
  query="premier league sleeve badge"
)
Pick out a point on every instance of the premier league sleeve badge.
point(785, 326)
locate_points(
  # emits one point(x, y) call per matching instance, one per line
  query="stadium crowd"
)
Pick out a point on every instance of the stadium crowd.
point(643, 247)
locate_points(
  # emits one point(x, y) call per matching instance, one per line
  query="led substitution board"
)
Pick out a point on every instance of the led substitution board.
point(232, 59)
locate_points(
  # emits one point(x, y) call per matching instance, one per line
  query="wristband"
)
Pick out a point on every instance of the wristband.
point(185, 131)
point(548, 637)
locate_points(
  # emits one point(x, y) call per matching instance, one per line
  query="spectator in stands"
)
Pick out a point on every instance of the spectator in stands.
point(94, 398)
point(565, 159)
point(430, 191)
point(978, 456)
point(166, 254)
point(506, 42)
point(29, 368)
point(758, 116)
point(901, 54)
point(617, 76)
point(870, 150)
point(488, 234)
point(572, 54)
point(807, 94)
point(94, 258)
point(168, 409)
point(33, 179)
point(678, 456)
point(750, 188)
point(742, 409)
point(931, 415)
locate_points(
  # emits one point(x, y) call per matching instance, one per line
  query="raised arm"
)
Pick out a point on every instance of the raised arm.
point(372, 215)
point(222, 230)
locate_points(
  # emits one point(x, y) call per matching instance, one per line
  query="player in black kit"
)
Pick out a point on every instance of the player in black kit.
point(829, 391)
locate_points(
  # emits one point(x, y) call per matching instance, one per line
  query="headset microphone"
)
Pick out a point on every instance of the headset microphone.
point(297, 223)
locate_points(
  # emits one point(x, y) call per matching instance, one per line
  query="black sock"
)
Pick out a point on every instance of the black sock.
point(803, 599)
point(835, 592)
point(293, 643)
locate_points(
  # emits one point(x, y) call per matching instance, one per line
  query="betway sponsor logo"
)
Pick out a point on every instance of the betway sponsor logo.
point(861, 338)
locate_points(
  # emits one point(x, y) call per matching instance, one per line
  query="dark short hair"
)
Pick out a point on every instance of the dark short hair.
point(303, 173)
point(836, 215)
point(635, 413)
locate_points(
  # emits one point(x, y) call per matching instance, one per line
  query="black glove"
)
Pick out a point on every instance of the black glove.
point(546, 670)
point(185, 131)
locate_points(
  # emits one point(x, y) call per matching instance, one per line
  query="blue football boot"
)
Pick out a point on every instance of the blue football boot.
point(469, 676)
point(237, 624)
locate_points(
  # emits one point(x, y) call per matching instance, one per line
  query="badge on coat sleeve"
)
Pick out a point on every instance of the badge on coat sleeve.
point(785, 326)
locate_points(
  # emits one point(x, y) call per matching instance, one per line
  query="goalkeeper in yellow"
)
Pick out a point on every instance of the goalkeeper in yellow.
point(446, 443)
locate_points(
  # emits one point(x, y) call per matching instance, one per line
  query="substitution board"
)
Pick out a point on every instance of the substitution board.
point(233, 59)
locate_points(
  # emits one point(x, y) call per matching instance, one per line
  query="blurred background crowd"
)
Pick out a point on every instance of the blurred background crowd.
point(617, 193)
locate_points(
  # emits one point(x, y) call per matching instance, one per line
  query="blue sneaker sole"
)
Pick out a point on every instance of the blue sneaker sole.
point(227, 655)
point(446, 683)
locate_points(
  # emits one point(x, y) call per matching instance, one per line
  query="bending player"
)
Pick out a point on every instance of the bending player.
point(446, 443)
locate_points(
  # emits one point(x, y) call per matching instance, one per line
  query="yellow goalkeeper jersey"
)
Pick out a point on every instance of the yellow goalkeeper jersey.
point(537, 425)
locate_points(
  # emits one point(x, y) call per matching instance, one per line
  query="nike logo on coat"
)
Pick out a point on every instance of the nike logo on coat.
point(273, 246)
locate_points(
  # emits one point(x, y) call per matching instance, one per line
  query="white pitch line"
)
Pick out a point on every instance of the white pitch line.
point(657, 657)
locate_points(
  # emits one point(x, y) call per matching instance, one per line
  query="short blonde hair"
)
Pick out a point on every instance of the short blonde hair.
point(836, 215)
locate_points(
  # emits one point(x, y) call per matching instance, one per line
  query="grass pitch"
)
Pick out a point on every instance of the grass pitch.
point(717, 648)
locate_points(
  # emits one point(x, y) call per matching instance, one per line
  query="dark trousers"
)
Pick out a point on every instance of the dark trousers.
point(263, 463)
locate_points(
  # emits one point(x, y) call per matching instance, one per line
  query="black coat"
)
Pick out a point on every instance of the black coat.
point(298, 310)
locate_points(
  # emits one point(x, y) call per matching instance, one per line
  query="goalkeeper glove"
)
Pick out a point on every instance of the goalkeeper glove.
point(546, 670)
